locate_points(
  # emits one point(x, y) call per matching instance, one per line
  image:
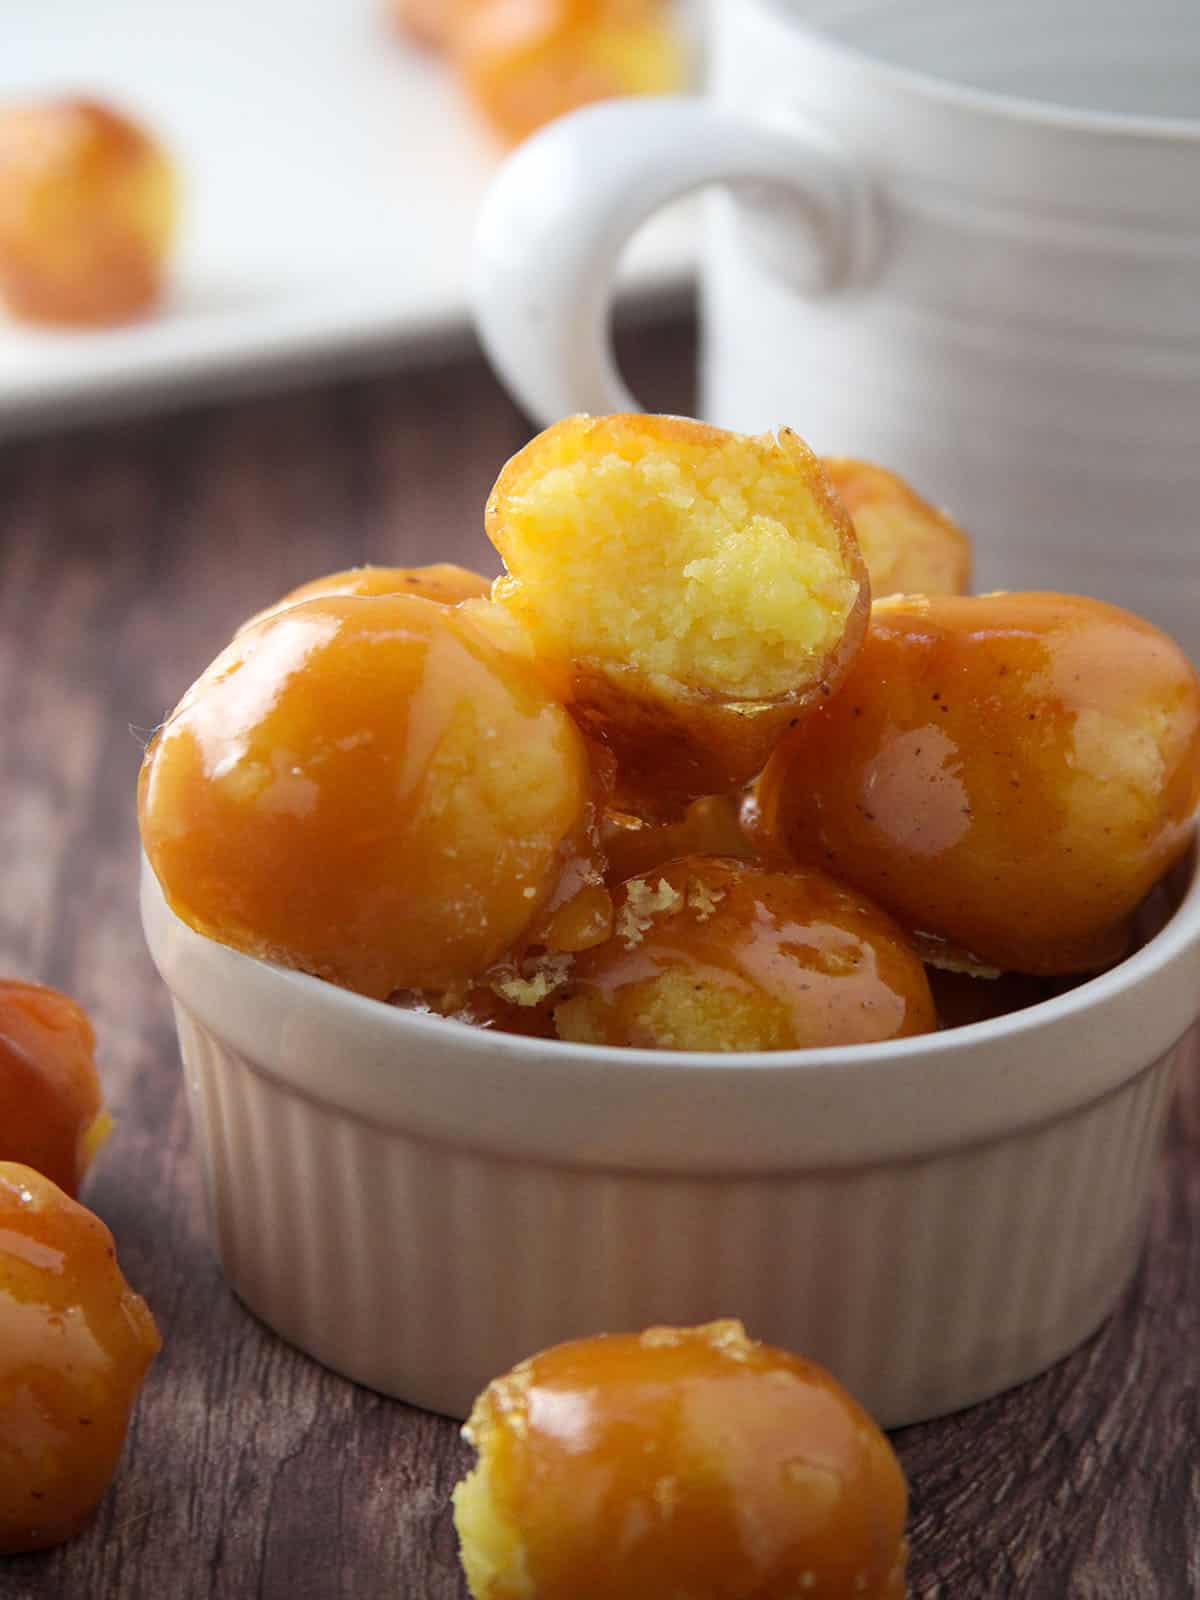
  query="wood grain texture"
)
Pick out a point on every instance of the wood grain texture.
point(127, 556)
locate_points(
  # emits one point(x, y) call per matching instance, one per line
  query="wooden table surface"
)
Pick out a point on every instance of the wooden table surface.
point(128, 553)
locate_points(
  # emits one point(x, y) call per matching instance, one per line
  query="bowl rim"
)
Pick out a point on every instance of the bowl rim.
point(551, 1100)
point(1180, 930)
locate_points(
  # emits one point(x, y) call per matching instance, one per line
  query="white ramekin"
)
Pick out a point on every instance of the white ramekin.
point(419, 1204)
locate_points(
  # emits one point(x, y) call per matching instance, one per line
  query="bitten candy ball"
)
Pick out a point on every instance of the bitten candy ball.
point(699, 590)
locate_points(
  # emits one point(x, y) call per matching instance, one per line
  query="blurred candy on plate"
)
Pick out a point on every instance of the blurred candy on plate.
point(87, 211)
point(524, 62)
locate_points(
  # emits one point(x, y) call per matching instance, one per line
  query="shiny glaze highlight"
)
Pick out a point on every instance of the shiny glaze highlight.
point(718, 954)
point(686, 1463)
point(369, 789)
point(1007, 774)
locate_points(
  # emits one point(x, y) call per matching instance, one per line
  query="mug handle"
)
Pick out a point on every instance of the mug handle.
point(564, 204)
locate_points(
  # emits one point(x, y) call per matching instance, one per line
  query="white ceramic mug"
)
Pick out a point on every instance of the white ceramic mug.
point(957, 237)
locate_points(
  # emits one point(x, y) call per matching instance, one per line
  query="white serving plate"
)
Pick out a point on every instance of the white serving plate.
point(331, 181)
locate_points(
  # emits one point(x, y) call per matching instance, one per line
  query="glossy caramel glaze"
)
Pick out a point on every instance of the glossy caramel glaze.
point(87, 209)
point(713, 954)
point(524, 62)
point(680, 1463)
point(371, 790)
point(909, 546)
point(75, 1342)
point(1007, 774)
point(443, 582)
point(51, 1116)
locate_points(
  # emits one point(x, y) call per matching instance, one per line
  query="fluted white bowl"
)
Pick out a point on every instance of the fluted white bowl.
point(419, 1204)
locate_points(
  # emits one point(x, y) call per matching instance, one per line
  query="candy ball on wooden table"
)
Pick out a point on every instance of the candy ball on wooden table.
point(909, 546)
point(711, 954)
point(1007, 774)
point(524, 62)
point(443, 581)
point(51, 1112)
point(369, 789)
point(87, 210)
point(75, 1343)
point(700, 590)
point(687, 1463)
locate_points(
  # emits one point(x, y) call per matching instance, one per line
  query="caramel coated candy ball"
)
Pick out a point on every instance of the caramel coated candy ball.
point(712, 954)
point(51, 1115)
point(369, 789)
point(682, 1462)
point(87, 209)
point(1008, 775)
point(909, 546)
point(699, 590)
point(75, 1342)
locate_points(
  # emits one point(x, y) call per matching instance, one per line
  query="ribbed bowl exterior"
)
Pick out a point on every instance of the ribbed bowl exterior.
point(423, 1268)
